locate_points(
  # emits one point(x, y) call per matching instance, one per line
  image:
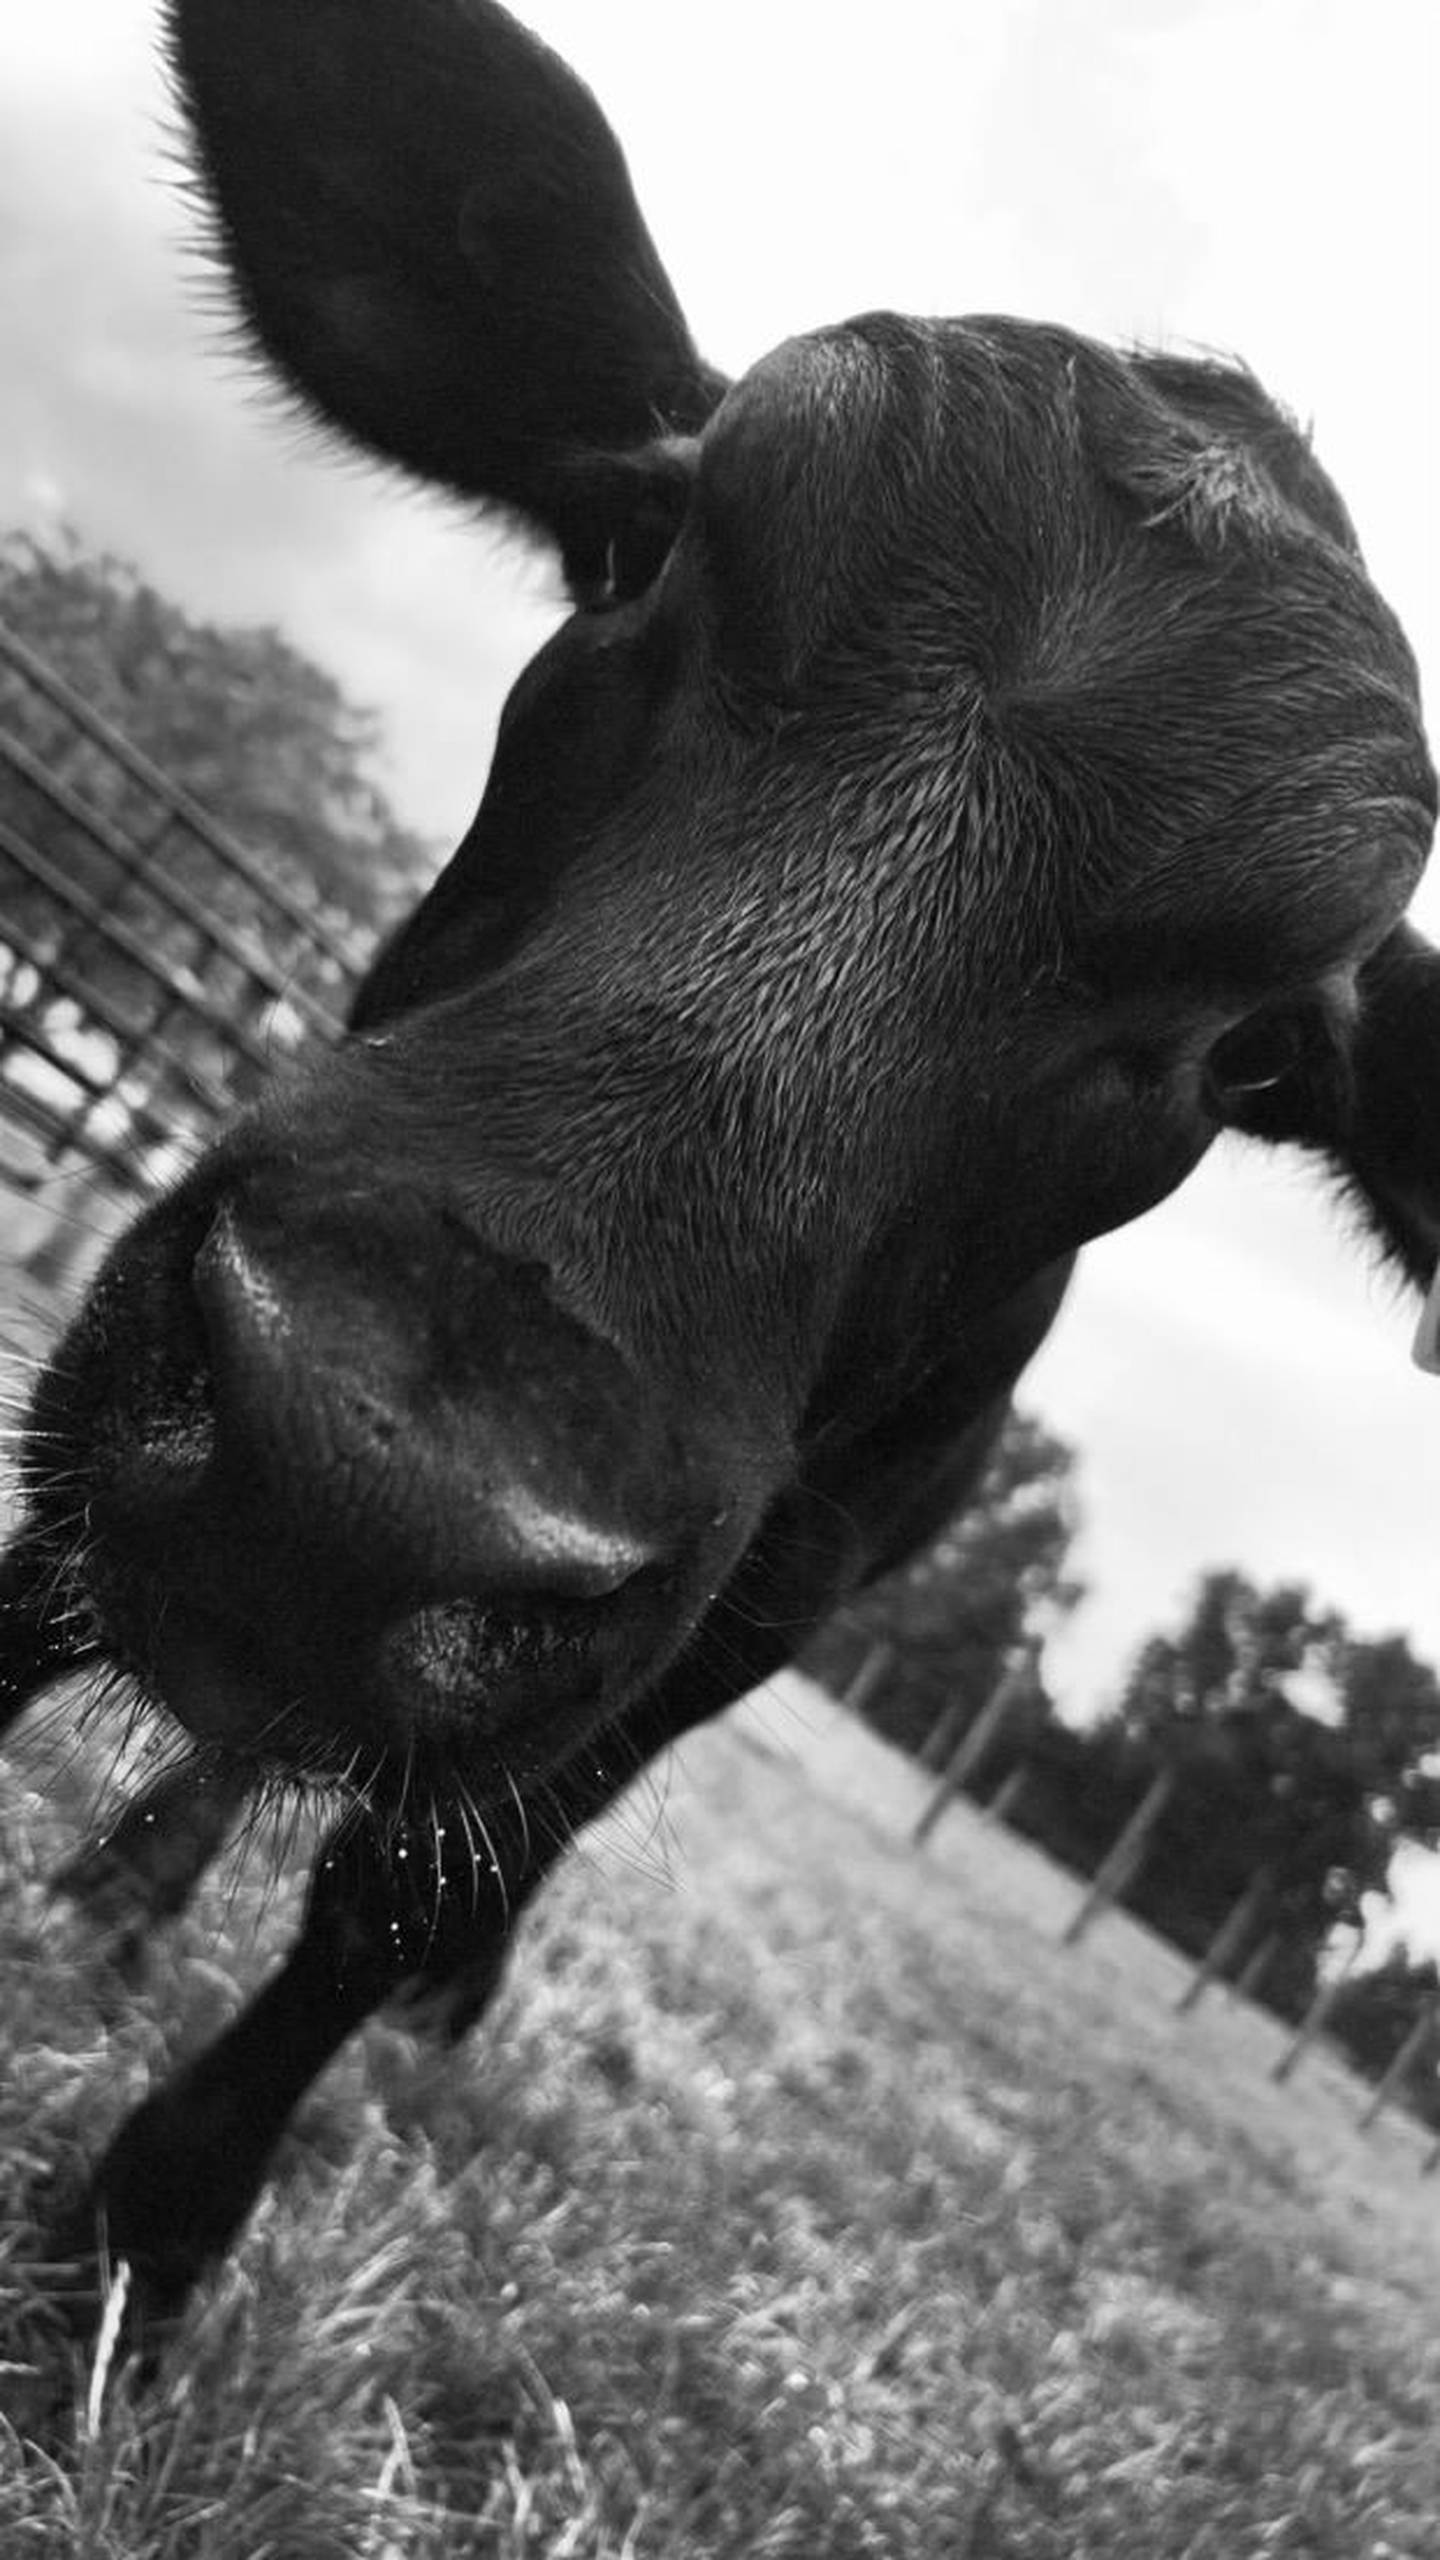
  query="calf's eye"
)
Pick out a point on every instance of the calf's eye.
point(1253, 1057)
point(640, 525)
point(634, 559)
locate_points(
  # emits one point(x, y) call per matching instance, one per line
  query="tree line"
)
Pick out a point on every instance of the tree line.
point(1304, 1753)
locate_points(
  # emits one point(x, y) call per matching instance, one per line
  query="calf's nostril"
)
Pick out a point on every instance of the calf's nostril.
point(539, 1549)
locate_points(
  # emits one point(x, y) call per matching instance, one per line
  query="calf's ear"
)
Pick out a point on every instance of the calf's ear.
point(1390, 1154)
point(1365, 1094)
point(431, 234)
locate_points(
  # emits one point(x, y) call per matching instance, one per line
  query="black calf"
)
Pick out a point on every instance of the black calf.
point(977, 771)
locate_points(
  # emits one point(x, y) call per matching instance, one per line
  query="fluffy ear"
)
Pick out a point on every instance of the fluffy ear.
point(432, 235)
point(1391, 1153)
point(1365, 1092)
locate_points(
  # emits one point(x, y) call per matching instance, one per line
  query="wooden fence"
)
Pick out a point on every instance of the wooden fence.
point(152, 970)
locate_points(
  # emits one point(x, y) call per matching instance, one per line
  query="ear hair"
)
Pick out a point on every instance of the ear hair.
point(1373, 1109)
point(430, 233)
point(1393, 1159)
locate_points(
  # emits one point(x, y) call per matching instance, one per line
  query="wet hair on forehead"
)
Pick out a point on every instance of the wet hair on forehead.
point(1193, 442)
point(1199, 446)
point(1240, 425)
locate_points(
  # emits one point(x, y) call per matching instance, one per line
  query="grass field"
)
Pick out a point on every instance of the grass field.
point(802, 2199)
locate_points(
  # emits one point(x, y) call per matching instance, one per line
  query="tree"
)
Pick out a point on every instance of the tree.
point(1238, 1653)
point(1391, 1709)
point(996, 1574)
point(1375, 2011)
point(252, 729)
point(1304, 1750)
point(148, 976)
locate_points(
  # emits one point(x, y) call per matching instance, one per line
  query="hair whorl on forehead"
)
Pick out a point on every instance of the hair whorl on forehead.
point(1243, 432)
point(1217, 711)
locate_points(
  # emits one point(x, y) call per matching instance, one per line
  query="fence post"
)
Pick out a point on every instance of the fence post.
point(1227, 1941)
point(1011, 1686)
point(861, 1687)
point(1400, 2061)
point(1120, 1862)
point(1251, 1972)
point(1007, 1795)
point(942, 1737)
point(1315, 2017)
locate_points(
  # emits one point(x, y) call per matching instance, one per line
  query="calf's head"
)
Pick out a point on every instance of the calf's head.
point(976, 769)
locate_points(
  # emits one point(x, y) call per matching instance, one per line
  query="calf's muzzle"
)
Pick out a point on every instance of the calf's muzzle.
point(384, 1491)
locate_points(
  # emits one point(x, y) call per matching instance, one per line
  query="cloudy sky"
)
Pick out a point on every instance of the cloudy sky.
point(1239, 174)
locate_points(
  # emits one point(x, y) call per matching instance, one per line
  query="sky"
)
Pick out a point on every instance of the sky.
point(1211, 173)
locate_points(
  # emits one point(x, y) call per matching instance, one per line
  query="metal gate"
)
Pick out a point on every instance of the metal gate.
point(152, 970)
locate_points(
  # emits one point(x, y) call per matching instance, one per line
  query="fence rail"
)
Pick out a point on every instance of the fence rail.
point(152, 969)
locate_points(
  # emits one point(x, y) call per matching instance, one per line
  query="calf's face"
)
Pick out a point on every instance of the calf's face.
point(976, 770)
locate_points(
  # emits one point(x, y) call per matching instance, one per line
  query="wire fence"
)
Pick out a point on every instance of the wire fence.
point(152, 970)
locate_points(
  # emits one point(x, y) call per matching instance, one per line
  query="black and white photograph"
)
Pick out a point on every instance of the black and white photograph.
point(719, 1281)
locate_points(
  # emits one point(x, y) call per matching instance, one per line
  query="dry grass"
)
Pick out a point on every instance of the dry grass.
point(810, 2204)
